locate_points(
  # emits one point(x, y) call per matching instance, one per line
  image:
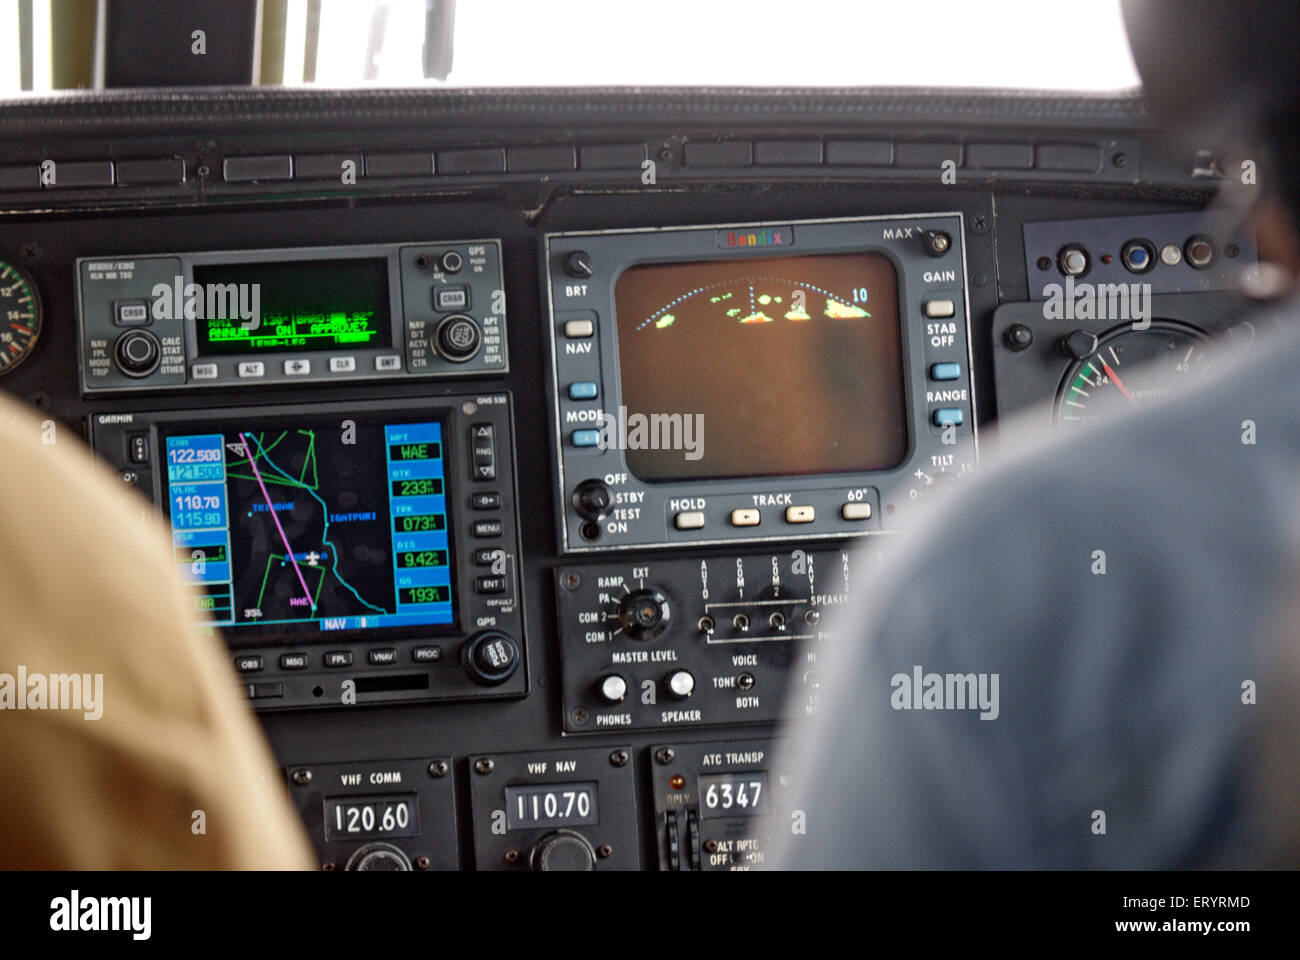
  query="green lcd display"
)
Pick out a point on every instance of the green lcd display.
point(292, 306)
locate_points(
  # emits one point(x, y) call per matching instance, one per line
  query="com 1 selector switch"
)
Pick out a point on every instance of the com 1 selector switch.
point(644, 614)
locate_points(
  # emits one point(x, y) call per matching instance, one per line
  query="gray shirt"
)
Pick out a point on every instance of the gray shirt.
point(1120, 732)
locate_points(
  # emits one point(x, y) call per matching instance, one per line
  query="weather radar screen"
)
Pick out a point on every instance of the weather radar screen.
point(794, 364)
point(312, 527)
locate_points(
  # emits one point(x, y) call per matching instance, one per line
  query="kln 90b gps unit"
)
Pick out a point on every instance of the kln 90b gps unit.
point(249, 318)
point(765, 381)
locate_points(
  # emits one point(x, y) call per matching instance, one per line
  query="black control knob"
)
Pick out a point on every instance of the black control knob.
point(644, 614)
point(458, 338)
point(379, 856)
point(592, 499)
point(562, 850)
point(490, 657)
point(1079, 344)
point(578, 264)
point(936, 242)
point(137, 353)
point(451, 262)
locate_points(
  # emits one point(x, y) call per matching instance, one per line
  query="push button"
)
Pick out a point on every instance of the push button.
point(250, 664)
point(939, 309)
point(577, 329)
point(948, 416)
point(486, 501)
point(342, 364)
point(689, 520)
point(297, 368)
point(446, 299)
point(490, 585)
point(486, 556)
point(138, 447)
point(747, 517)
point(585, 438)
point(382, 656)
point(130, 313)
point(856, 511)
point(389, 362)
point(204, 371)
point(583, 390)
point(488, 528)
point(945, 371)
point(293, 661)
point(800, 514)
point(482, 438)
point(251, 368)
point(427, 654)
point(338, 658)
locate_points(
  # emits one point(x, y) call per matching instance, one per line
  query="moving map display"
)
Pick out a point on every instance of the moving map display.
point(312, 527)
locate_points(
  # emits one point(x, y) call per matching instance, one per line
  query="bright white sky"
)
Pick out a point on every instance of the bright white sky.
point(1036, 44)
point(1043, 44)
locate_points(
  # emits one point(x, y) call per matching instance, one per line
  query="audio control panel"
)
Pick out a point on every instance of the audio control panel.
point(696, 642)
point(257, 318)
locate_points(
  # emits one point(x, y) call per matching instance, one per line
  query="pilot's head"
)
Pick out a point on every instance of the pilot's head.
point(1218, 72)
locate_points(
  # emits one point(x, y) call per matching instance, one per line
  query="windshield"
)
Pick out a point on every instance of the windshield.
point(1024, 44)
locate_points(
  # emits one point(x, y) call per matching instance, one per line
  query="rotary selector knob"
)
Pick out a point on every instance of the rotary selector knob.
point(137, 353)
point(592, 499)
point(578, 264)
point(644, 614)
point(562, 850)
point(379, 856)
point(613, 688)
point(490, 657)
point(458, 338)
point(680, 684)
point(1080, 344)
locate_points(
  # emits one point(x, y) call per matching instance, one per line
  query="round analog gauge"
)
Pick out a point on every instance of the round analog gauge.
point(1125, 367)
point(20, 316)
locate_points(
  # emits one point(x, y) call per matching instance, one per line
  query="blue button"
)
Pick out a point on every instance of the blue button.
point(945, 371)
point(583, 390)
point(942, 418)
point(590, 438)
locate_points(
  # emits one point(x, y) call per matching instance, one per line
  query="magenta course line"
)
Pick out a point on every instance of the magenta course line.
point(267, 497)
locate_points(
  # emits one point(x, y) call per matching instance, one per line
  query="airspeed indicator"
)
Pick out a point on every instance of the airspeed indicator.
point(20, 316)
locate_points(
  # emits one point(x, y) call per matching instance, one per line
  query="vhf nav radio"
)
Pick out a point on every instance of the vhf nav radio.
point(773, 381)
point(350, 553)
point(290, 316)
